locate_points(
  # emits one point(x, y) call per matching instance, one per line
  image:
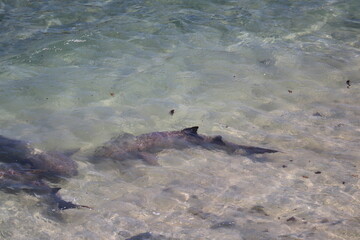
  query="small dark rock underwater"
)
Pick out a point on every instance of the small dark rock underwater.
point(146, 146)
point(26, 168)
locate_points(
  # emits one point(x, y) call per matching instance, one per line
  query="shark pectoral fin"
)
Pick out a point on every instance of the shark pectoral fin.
point(148, 158)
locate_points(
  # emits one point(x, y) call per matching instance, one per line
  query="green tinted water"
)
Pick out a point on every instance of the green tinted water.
point(74, 74)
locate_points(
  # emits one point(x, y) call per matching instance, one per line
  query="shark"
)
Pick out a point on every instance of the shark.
point(51, 163)
point(146, 146)
point(26, 168)
point(15, 178)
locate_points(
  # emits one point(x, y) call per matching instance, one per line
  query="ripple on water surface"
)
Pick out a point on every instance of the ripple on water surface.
point(283, 75)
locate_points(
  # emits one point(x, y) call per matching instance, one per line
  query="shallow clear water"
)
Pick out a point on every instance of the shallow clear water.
point(74, 74)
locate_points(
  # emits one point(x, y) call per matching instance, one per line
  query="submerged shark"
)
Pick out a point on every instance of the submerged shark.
point(146, 146)
point(15, 178)
point(25, 168)
point(52, 163)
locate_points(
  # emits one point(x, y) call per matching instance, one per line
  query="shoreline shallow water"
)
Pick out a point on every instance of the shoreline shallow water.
point(282, 75)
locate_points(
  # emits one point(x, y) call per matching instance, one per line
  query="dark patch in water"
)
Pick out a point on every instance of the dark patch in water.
point(317, 114)
point(324, 220)
point(150, 236)
point(267, 62)
point(124, 234)
point(348, 84)
point(258, 209)
point(224, 224)
point(291, 220)
point(199, 213)
point(141, 236)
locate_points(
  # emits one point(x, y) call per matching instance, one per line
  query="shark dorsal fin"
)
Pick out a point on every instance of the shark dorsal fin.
point(190, 131)
point(218, 140)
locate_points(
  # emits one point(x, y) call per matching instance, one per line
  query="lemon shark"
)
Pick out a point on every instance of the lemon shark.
point(51, 163)
point(146, 146)
point(15, 178)
point(25, 168)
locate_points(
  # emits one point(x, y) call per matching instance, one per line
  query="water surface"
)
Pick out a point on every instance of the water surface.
point(269, 73)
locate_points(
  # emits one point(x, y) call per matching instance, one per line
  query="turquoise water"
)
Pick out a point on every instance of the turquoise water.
point(74, 74)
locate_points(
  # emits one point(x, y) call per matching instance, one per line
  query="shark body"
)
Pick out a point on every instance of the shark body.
point(25, 168)
point(146, 146)
point(15, 178)
point(52, 163)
